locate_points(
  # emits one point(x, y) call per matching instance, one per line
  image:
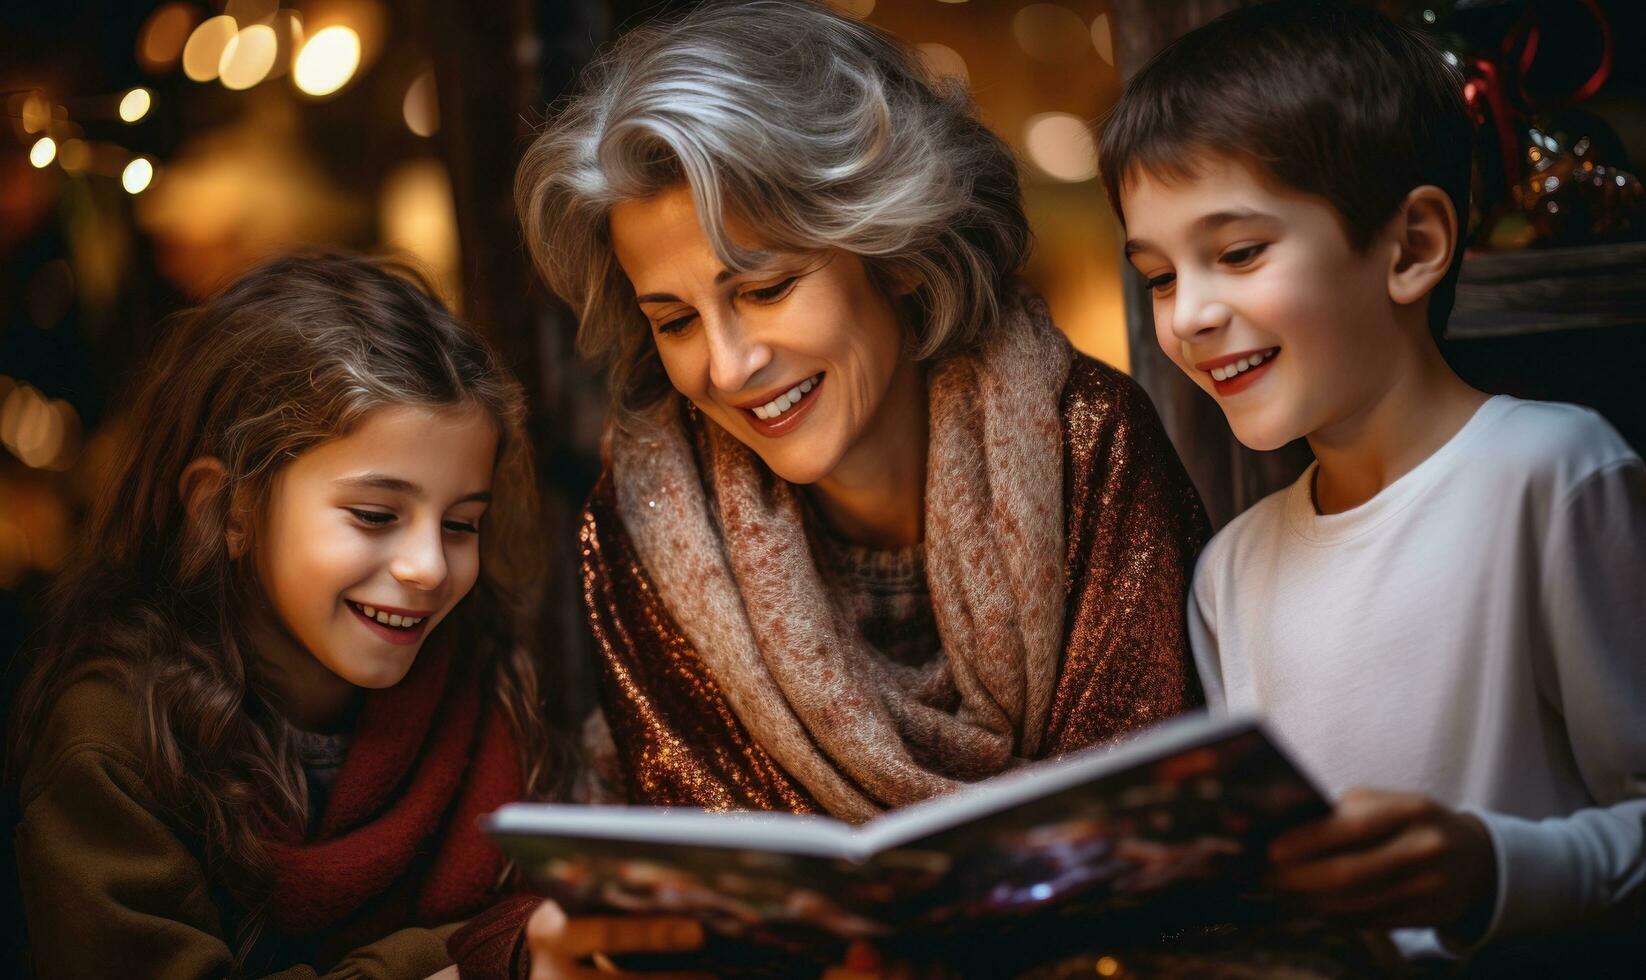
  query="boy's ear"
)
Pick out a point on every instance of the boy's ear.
point(202, 479)
point(1425, 230)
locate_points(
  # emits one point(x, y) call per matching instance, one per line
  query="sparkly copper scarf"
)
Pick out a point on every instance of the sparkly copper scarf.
point(725, 543)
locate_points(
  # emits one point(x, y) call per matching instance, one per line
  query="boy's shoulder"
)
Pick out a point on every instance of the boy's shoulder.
point(1257, 526)
point(1520, 448)
point(1552, 443)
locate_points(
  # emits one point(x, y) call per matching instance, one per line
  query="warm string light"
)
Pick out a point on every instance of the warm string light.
point(203, 54)
point(248, 57)
point(135, 104)
point(327, 61)
point(43, 433)
point(1061, 145)
point(942, 61)
point(160, 42)
point(1051, 33)
point(1103, 39)
point(43, 152)
point(421, 106)
point(137, 175)
point(74, 156)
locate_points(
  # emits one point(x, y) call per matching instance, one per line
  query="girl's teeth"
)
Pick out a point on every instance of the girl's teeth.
point(390, 619)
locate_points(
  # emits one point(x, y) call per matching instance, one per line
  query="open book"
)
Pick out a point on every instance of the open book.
point(1184, 808)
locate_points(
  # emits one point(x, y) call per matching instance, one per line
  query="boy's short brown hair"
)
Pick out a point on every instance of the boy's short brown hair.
point(1326, 98)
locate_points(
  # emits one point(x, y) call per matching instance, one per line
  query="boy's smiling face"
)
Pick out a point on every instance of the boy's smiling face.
point(1260, 297)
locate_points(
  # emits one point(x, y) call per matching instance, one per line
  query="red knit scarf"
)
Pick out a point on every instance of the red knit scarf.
point(426, 762)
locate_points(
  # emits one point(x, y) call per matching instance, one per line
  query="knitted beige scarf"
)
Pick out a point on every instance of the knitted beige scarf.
point(724, 542)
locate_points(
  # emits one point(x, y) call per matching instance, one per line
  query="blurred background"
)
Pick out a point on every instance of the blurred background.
point(152, 151)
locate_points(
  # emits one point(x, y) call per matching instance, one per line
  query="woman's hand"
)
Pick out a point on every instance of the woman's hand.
point(560, 944)
point(1389, 859)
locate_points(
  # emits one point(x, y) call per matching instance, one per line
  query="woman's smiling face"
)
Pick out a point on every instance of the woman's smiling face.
point(794, 359)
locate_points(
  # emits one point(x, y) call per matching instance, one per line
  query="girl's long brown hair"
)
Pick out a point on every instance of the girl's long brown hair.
point(293, 354)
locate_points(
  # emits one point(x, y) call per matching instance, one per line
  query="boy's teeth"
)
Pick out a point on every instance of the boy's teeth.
point(1244, 364)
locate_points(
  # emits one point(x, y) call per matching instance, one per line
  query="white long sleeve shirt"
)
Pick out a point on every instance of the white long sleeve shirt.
point(1476, 632)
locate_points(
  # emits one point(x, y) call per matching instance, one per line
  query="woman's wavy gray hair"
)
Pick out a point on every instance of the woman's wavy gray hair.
point(813, 129)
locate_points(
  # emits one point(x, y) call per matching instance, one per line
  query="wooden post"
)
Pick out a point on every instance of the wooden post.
point(495, 74)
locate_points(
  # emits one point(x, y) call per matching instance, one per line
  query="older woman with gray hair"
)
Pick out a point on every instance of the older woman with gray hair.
point(869, 529)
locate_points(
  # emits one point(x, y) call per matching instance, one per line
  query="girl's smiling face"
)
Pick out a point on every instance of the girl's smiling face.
point(794, 359)
point(368, 542)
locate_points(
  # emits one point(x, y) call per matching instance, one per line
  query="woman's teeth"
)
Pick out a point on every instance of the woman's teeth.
point(391, 619)
point(1244, 364)
point(782, 403)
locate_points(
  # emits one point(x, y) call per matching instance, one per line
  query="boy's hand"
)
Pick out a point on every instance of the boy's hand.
point(1390, 859)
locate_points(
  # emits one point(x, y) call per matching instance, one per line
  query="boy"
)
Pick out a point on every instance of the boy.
point(1449, 602)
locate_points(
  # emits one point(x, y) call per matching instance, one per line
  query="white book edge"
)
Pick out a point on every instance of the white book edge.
point(825, 837)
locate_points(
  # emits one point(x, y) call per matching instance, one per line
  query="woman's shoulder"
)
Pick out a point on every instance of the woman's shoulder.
point(600, 520)
point(1103, 404)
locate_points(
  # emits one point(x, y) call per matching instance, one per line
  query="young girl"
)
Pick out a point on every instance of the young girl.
point(290, 666)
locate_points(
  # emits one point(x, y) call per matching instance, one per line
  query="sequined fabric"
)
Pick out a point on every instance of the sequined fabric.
point(1133, 527)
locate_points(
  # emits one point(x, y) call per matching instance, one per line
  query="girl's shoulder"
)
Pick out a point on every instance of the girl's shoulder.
point(93, 720)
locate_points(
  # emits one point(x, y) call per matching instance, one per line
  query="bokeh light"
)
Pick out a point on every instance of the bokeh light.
point(942, 61)
point(74, 156)
point(37, 430)
point(1103, 38)
point(204, 52)
point(251, 11)
point(160, 42)
point(43, 152)
point(137, 176)
point(248, 57)
point(416, 215)
point(853, 8)
point(327, 61)
point(1061, 145)
point(36, 112)
point(288, 34)
point(421, 107)
point(135, 105)
point(1051, 33)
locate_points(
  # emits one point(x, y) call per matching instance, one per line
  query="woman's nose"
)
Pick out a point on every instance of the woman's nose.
point(735, 354)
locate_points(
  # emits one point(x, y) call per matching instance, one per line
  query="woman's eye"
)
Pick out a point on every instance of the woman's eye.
point(372, 518)
point(766, 294)
point(1244, 254)
point(676, 325)
point(463, 527)
point(1161, 282)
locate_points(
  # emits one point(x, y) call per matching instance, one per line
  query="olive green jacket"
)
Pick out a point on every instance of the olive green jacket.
point(111, 888)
